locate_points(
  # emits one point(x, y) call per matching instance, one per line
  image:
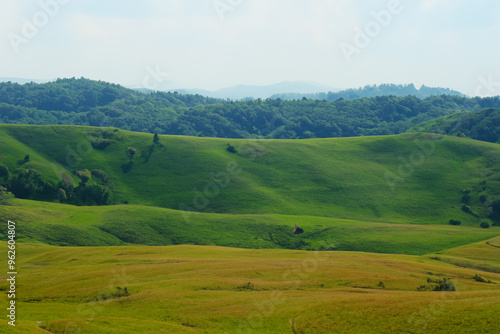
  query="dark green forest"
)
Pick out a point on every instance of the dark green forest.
point(96, 103)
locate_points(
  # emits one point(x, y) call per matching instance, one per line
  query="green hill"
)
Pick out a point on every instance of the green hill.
point(482, 125)
point(334, 188)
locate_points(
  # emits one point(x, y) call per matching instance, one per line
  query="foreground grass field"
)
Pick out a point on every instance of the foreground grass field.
point(204, 289)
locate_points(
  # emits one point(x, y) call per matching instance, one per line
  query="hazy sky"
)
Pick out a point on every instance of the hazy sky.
point(213, 44)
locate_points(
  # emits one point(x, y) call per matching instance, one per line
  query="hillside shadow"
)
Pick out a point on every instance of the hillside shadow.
point(127, 167)
point(146, 154)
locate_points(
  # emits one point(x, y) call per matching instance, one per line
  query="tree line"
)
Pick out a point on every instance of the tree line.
point(97, 103)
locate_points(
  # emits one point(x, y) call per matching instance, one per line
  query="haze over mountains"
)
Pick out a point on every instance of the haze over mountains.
point(287, 90)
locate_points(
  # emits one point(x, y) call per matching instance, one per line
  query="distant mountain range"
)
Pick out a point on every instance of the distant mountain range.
point(288, 90)
point(373, 91)
point(242, 92)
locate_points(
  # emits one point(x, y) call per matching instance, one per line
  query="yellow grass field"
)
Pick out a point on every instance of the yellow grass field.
point(202, 289)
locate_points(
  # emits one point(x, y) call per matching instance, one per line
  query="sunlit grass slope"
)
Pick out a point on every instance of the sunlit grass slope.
point(200, 289)
point(66, 225)
point(410, 178)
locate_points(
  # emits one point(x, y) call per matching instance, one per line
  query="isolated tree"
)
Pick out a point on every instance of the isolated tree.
point(27, 158)
point(156, 139)
point(297, 229)
point(230, 148)
point(485, 225)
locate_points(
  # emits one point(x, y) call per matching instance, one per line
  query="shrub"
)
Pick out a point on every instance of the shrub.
point(4, 171)
point(27, 158)
point(101, 143)
point(478, 278)
point(130, 152)
point(84, 175)
point(465, 199)
point(61, 195)
point(483, 198)
point(438, 285)
point(381, 285)
point(230, 148)
point(484, 225)
point(246, 286)
point(467, 209)
point(445, 285)
point(5, 196)
point(100, 174)
point(455, 222)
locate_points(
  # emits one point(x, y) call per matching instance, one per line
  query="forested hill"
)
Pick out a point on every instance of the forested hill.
point(373, 91)
point(483, 125)
point(96, 103)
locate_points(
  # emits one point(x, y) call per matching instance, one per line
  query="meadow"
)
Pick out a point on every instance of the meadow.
point(196, 238)
point(206, 289)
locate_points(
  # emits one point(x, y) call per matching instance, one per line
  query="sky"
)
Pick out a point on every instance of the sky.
point(211, 44)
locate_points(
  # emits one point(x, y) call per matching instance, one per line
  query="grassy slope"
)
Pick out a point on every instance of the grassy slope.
point(335, 189)
point(194, 289)
point(341, 178)
point(59, 224)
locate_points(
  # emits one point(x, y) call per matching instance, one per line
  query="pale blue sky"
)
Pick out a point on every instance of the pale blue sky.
point(449, 43)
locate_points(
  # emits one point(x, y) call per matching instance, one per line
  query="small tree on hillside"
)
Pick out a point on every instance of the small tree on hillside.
point(485, 225)
point(4, 171)
point(84, 175)
point(130, 152)
point(5, 196)
point(156, 139)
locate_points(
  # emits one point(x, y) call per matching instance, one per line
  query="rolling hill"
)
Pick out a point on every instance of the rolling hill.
point(369, 187)
point(482, 125)
point(182, 212)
